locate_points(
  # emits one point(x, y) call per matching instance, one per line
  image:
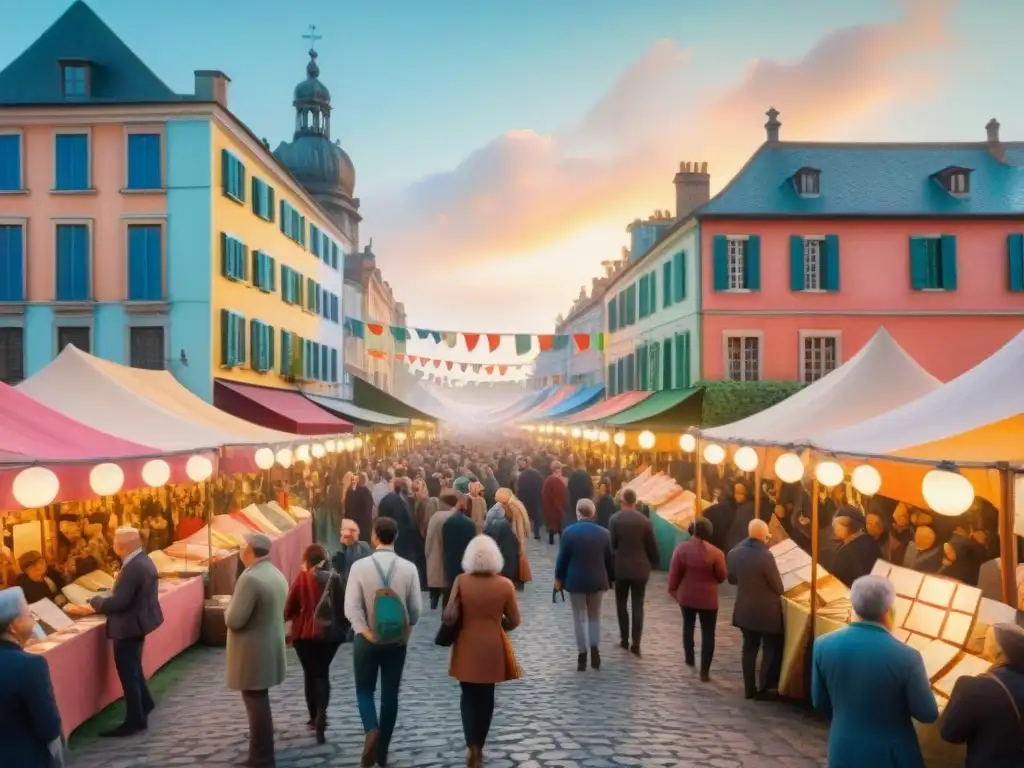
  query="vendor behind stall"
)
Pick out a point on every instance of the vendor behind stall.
point(38, 581)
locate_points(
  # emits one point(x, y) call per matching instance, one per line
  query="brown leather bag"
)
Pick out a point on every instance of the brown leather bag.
point(525, 571)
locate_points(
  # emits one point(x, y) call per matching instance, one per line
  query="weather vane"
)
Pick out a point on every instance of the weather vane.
point(312, 36)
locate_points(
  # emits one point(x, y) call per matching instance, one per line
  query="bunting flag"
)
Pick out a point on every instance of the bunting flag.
point(375, 328)
point(472, 339)
point(451, 339)
point(582, 341)
point(547, 342)
point(493, 341)
point(401, 335)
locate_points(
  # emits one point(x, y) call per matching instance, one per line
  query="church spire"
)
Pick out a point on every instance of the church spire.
point(312, 100)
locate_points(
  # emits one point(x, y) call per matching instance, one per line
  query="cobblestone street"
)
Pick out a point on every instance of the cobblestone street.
point(633, 712)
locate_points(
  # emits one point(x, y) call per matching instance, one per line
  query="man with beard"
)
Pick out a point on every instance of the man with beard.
point(529, 489)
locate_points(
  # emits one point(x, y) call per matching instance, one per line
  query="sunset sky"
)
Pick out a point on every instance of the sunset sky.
point(501, 148)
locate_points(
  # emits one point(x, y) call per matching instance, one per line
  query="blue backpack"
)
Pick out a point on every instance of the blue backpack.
point(388, 619)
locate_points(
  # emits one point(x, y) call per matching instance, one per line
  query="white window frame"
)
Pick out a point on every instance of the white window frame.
point(72, 130)
point(808, 184)
point(76, 221)
point(146, 128)
point(808, 335)
point(743, 334)
point(820, 240)
point(958, 182)
point(21, 160)
point(729, 240)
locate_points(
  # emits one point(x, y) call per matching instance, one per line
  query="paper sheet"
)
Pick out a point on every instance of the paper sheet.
point(47, 612)
point(782, 547)
point(925, 620)
point(27, 537)
point(967, 666)
point(903, 606)
point(994, 612)
point(937, 656)
point(966, 599)
point(881, 568)
point(957, 628)
point(936, 591)
point(906, 581)
point(77, 595)
point(805, 573)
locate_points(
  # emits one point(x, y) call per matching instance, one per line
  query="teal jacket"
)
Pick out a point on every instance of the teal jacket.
point(874, 686)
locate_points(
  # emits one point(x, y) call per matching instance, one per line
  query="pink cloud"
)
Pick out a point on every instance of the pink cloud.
point(523, 192)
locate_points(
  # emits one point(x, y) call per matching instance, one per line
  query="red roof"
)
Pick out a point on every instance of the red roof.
point(283, 409)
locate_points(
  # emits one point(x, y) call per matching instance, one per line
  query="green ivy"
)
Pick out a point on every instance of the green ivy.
point(729, 401)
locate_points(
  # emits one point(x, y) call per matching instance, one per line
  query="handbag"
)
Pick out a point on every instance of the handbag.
point(555, 592)
point(512, 670)
point(451, 620)
point(1013, 703)
point(525, 571)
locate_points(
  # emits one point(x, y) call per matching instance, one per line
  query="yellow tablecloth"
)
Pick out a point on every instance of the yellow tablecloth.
point(794, 683)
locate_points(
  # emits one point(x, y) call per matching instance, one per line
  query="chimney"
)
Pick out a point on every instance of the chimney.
point(693, 188)
point(772, 126)
point(212, 85)
point(995, 146)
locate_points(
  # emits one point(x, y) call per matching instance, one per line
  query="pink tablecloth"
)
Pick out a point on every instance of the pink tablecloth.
point(286, 550)
point(82, 666)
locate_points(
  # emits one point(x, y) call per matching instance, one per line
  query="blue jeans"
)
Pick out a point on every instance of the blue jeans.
point(369, 661)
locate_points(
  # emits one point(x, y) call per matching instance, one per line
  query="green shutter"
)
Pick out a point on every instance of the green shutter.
point(753, 263)
point(681, 267)
point(613, 319)
point(643, 296)
point(947, 251)
point(918, 263)
point(666, 363)
point(225, 171)
point(254, 340)
point(686, 360)
point(241, 182)
point(286, 351)
point(652, 293)
point(720, 266)
point(1015, 257)
point(666, 285)
point(610, 380)
point(655, 355)
point(270, 203)
point(796, 263)
point(225, 268)
point(225, 338)
point(243, 261)
point(680, 374)
point(830, 264)
point(255, 195)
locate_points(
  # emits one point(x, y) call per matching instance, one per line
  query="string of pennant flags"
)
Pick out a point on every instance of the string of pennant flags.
point(523, 341)
point(424, 362)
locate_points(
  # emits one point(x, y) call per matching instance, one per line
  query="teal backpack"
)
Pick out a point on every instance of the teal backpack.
point(389, 620)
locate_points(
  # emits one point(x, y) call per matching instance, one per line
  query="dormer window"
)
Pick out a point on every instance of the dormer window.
point(955, 180)
point(75, 79)
point(806, 181)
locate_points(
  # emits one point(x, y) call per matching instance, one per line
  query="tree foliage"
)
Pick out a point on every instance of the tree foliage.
point(729, 401)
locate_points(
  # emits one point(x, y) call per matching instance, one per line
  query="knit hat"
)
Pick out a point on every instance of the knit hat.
point(851, 513)
point(1010, 638)
point(461, 484)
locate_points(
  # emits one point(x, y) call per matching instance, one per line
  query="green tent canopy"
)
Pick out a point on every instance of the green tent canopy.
point(356, 414)
point(367, 396)
point(667, 410)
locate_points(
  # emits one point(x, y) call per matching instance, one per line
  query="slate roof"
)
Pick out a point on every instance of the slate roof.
point(117, 74)
point(873, 180)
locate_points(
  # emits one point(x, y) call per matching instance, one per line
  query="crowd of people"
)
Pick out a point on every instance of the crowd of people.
point(454, 523)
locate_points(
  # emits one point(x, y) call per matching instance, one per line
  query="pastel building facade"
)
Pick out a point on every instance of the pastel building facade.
point(154, 229)
point(566, 363)
point(378, 366)
point(812, 247)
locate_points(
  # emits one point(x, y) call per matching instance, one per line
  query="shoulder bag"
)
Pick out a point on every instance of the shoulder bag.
point(1013, 704)
point(451, 620)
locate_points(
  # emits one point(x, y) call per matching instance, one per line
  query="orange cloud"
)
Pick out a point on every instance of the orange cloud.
point(523, 194)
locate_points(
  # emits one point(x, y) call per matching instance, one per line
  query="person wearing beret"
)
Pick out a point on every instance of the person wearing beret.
point(857, 551)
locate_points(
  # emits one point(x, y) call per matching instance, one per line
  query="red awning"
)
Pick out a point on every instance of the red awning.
point(283, 409)
point(609, 407)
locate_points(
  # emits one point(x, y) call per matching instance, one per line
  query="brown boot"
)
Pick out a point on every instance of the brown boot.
point(370, 749)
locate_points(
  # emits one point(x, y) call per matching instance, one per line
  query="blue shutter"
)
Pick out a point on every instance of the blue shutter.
point(753, 263)
point(145, 265)
point(643, 296)
point(284, 217)
point(1015, 257)
point(271, 361)
point(918, 263)
point(72, 162)
point(72, 262)
point(679, 267)
point(796, 263)
point(144, 161)
point(831, 264)
point(947, 250)
point(254, 341)
point(10, 162)
point(720, 262)
point(12, 263)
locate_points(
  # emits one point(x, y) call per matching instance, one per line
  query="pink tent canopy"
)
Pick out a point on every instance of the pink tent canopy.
point(32, 434)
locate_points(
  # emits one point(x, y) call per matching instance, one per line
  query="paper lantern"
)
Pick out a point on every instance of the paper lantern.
point(264, 458)
point(198, 468)
point(789, 468)
point(35, 487)
point(713, 454)
point(620, 439)
point(284, 457)
point(745, 459)
point(646, 440)
point(577, 433)
point(318, 451)
point(946, 491)
point(302, 453)
point(350, 445)
point(829, 473)
point(400, 437)
point(866, 480)
point(358, 443)
point(561, 430)
point(603, 436)
point(156, 473)
point(106, 479)
point(330, 446)
point(688, 442)
point(589, 434)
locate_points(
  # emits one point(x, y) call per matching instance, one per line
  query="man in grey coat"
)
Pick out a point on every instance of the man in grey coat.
point(256, 643)
point(636, 553)
point(437, 584)
point(758, 609)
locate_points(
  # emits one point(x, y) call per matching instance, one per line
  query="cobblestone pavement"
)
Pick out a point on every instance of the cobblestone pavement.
point(644, 712)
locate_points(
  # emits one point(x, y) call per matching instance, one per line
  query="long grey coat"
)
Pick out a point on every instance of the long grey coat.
point(255, 623)
point(758, 606)
point(434, 546)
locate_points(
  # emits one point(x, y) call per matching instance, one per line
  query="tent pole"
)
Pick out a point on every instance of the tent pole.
point(1007, 538)
point(814, 555)
point(698, 510)
point(757, 489)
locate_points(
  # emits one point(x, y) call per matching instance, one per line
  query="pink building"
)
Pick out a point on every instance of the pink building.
point(813, 246)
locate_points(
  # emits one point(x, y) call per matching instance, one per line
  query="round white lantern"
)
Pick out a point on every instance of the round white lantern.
point(330, 446)
point(156, 473)
point(106, 479)
point(264, 458)
point(318, 451)
point(829, 473)
point(35, 487)
point(713, 454)
point(561, 430)
point(866, 480)
point(646, 440)
point(688, 442)
point(620, 439)
point(400, 437)
point(358, 443)
point(350, 445)
point(589, 434)
point(947, 492)
point(603, 436)
point(198, 468)
point(302, 453)
point(284, 457)
point(745, 459)
point(789, 468)
point(577, 433)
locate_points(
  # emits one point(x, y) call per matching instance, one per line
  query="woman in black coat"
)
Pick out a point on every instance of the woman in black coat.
point(605, 504)
point(359, 507)
point(498, 527)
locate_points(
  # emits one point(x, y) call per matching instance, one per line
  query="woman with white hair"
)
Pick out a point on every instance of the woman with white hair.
point(481, 610)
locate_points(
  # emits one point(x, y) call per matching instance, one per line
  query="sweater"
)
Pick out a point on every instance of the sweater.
point(364, 581)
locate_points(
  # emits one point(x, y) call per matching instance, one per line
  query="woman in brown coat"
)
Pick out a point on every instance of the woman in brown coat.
point(483, 604)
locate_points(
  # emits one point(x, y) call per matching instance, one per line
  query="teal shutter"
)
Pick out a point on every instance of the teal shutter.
point(286, 351)
point(641, 364)
point(666, 285)
point(830, 264)
point(666, 363)
point(652, 292)
point(225, 172)
point(680, 373)
point(686, 360)
point(918, 263)
point(613, 318)
point(796, 263)
point(720, 266)
point(656, 382)
point(270, 347)
point(753, 263)
point(679, 267)
point(225, 338)
point(947, 251)
point(610, 380)
point(1015, 256)
point(643, 296)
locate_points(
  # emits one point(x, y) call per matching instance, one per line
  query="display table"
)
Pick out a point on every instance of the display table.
point(795, 683)
point(81, 658)
point(286, 549)
point(668, 536)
